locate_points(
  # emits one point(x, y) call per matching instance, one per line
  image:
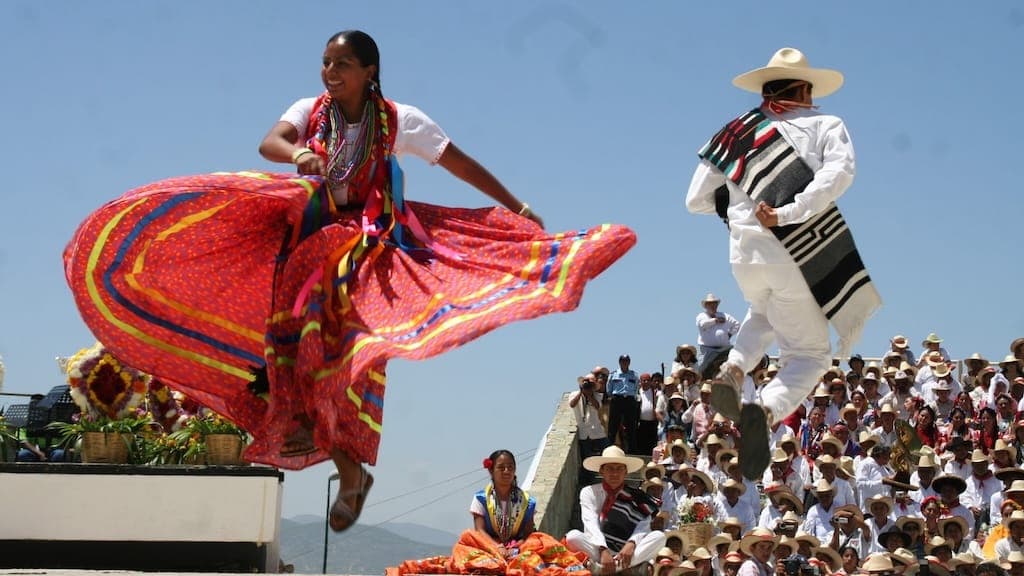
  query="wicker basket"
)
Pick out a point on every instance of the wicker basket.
point(224, 450)
point(695, 535)
point(105, 448)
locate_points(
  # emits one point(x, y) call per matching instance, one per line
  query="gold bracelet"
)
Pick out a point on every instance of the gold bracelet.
point(524, 210)
point(299, 153)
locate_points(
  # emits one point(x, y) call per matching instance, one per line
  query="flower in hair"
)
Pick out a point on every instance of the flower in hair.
point(488, 463)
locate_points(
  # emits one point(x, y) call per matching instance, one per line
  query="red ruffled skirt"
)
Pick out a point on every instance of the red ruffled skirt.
point(200, 280)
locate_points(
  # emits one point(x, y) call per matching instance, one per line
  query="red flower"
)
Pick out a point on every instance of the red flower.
point(488, 463)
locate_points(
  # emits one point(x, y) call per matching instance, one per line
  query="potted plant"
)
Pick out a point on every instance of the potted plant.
point(222, 439)
point(109, 396)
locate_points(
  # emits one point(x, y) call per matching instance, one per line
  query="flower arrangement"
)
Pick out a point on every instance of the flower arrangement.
point(102, 386)
point(694, 511)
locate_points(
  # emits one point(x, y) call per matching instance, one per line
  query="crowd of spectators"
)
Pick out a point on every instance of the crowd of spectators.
point(892, 463)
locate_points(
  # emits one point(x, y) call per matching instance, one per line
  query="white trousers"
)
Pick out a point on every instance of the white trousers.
point(646, 550)
point(783, 309)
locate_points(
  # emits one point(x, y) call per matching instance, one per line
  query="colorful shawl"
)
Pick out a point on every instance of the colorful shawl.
point(752, 153)
point(507, 525)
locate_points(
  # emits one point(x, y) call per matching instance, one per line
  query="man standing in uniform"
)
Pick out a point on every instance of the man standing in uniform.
point(773, 175)
point(622, 387)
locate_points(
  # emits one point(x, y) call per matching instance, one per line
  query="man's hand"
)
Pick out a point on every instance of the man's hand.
point(625, 556)
point(608, 562)
point(766, 215)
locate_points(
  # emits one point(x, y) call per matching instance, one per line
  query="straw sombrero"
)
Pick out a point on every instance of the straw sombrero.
point(757, 535)
point(613, 455)
point(790, 64)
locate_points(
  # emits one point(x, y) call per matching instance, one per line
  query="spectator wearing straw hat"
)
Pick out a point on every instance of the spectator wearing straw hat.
point(715, 330)
point(1014, 542)
point(960, 464)
point(616, 517)
point(826, 467)
point(686, 357)
point(850, 529)
point(928, 469)
point(661, 450)
point(818, 521)
point(872, 474)
point(730, 505)
point(943, 403)
point(932, 343)
point(886, 430)
point(899, 395)
point(981, 485)
point(700, 414)
point(949, 489)
point(782, 471)
point(758, 545)
point(781, 500)
point(1013, 490)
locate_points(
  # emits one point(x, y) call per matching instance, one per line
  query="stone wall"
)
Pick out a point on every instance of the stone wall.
point(555, 482)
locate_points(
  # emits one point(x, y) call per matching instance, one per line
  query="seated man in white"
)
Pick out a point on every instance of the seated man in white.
point(616, 522)
point(1015, 541)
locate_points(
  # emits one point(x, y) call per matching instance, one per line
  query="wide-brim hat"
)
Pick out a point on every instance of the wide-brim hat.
point(831, 556)
point(866, 436)
point(942, 385)
point(709, 484)
point(757, 535)
point(847, 408)
point(782, 492)
point(879, 499)
point(689, 347)
point(730, 483)
point(849, 510)
point(1016, 487)
point(847, 467)
point(879, 562)
point(1011, 475)
point(830, 439)
point(723, 454)
point(1009, 359)
point(941, 370)
point(979, 457)
point(810, 539)
point(653, 466)
point(700, 553)
point(731, 521)
point(1016, 516)
point(957, 482)
point(710, 297)
point(1004, 446)
point(936, 542)
point(779, 456)
point(823, 486)
point(790, 64)
point(958, 520)
point(904, 556)
point(652, 482)
point(718, 539)
point(978, 357)
point(1017, 343)
point(904, 520)
point(884, 537)
point(613, 455)
point(931, 338)
point(682, 445)
point(686, 470)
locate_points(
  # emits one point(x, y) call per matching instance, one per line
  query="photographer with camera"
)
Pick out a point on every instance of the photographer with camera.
point(586, 405)
point(850, 529)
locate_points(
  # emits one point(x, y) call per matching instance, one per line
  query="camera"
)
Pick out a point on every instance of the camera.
point(588, 385)
point(842, 520)
point(797, 565)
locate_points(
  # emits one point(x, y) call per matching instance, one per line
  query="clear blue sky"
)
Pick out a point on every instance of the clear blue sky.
point(590, 110)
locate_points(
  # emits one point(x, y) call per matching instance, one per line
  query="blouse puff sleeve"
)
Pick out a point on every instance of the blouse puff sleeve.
point(418, 134)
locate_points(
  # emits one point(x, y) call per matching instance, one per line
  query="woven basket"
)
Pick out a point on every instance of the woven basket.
point(105, 448)
point(695, 535)
point(224, 450)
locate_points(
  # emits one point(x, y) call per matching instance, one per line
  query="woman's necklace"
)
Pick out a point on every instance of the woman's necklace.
point(345, 156)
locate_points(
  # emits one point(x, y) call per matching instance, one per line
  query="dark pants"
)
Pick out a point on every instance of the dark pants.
point(587, 448)
point(646, 436)
point(622, 418)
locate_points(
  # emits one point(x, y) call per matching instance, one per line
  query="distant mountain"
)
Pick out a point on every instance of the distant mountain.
point(359, 550)
point(421, 533)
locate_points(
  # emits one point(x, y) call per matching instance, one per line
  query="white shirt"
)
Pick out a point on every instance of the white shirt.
point(819, 522)
point(648, 399)
point(588, 419)
point(741, 510)
point(979, 492)
point(962, 470)
point(869, 480)
point(822, 142)
point(417, 134)
point(1005, 546)
point(711, 332)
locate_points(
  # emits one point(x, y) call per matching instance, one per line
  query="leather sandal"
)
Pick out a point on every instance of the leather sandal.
point(299, 443)
point(343, 516)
